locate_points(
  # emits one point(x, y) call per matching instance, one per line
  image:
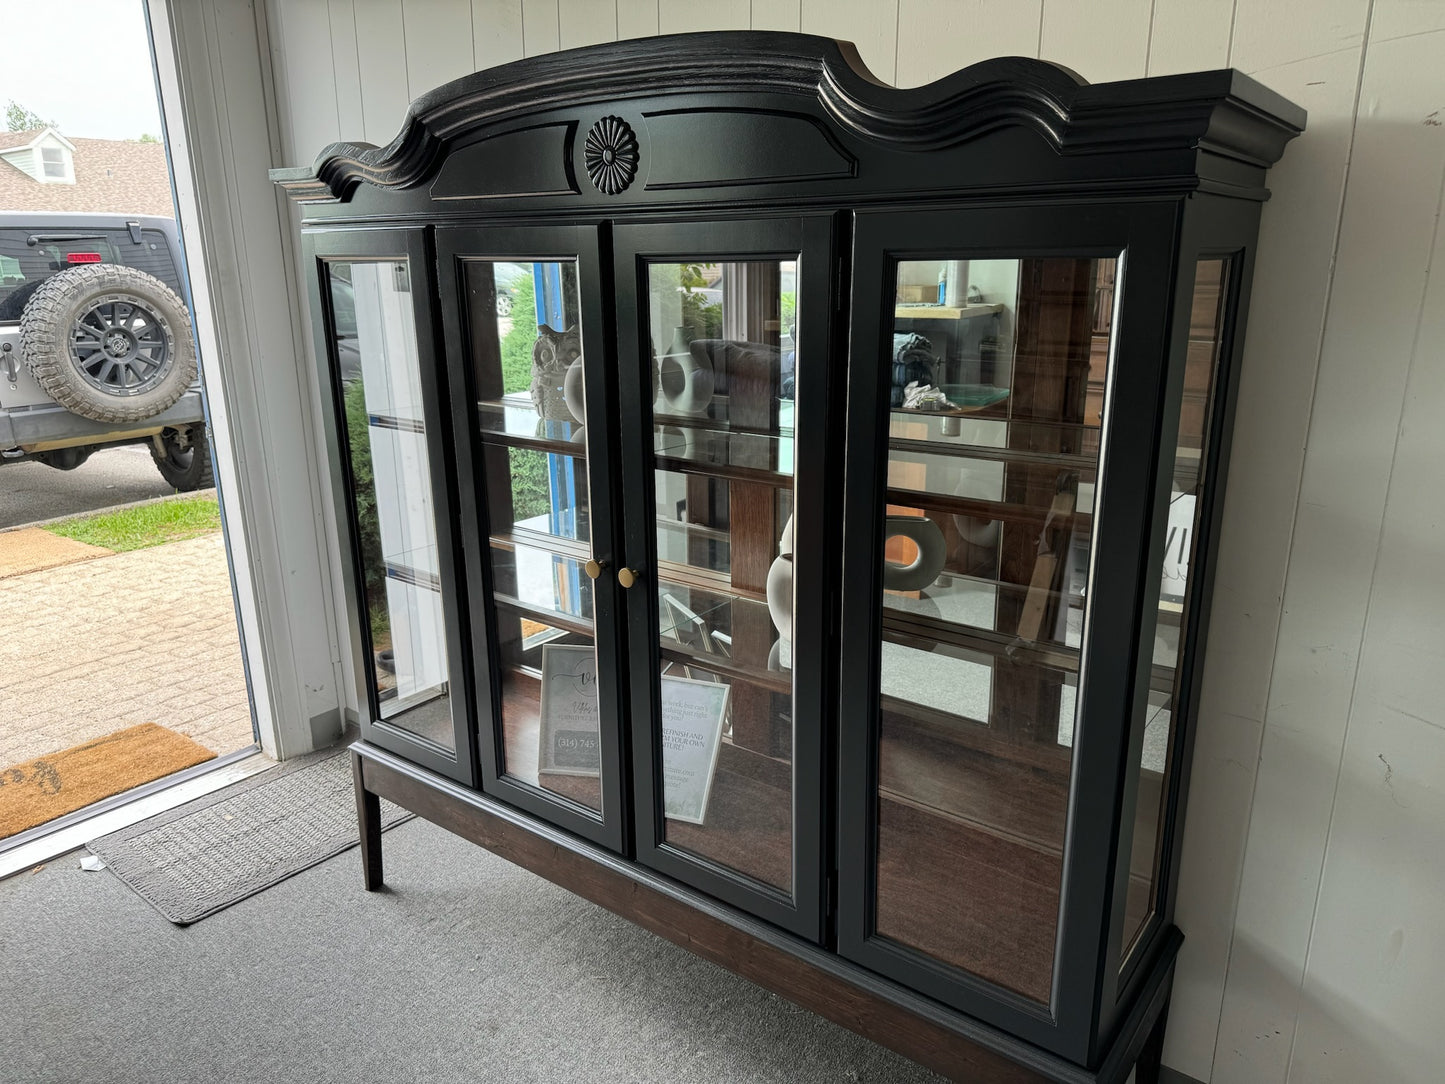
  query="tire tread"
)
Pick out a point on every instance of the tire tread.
point(44, 332)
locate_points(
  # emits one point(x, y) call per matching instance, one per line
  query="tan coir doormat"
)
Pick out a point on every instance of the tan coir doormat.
point(59, 783)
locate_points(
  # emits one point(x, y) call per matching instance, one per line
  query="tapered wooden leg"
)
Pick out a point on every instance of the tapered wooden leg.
point(368, 821)
point(1146, 1069)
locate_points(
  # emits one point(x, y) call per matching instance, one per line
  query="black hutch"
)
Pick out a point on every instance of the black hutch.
point(781, 508)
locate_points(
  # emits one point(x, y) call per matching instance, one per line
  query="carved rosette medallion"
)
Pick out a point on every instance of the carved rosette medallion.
point(610, 152)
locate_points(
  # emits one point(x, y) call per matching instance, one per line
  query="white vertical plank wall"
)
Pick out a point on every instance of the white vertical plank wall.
point(438, 36)
point(776, 15)
point(936, 39)
point(496, 32)
point(381, 59)
point(586, 22)
point(1314, 861)
point(346, 62)
point(870, 25)
point(637, 18)
point(541, 27)
point(1102, 42)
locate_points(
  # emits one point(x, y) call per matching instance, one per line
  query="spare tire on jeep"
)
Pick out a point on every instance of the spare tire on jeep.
point(108, 342)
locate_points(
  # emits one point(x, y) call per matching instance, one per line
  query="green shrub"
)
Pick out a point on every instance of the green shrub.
point(518, 342)
point(358, 439)
point(531, 488)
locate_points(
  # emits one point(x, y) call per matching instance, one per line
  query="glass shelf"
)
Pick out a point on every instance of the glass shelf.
point(1010, 512)
point(541, 583)
point(686, 445)
point(732, 454)
point(513, 422)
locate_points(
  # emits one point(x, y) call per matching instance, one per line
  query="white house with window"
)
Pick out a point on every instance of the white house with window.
point(48, 158)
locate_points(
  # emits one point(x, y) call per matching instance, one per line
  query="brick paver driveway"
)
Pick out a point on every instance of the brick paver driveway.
point(145, 636)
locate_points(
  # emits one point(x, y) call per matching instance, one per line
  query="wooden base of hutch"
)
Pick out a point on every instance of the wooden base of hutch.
point(820, 981)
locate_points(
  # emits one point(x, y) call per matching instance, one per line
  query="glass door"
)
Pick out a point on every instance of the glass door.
point(985, 592)
point(372, 315)
point(723, 334)
point(523, 315)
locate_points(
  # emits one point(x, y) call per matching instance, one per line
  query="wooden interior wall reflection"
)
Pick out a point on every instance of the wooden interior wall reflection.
point(1055, 323)
point(748, 510)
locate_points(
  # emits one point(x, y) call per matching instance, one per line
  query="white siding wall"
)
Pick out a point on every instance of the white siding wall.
point(1314, 863)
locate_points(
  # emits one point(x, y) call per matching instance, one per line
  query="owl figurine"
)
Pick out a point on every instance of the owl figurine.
point(552, 355)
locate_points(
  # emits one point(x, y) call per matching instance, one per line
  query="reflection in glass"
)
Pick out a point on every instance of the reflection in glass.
point(374, 337)
point(527, 365)
point(995, 371)
point(1206, 326)
point(723, 348)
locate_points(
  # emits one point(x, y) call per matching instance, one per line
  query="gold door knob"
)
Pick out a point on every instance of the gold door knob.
point(594, 568)
point(627, 576)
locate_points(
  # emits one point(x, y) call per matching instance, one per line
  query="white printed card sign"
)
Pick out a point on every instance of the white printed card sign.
point(692, 724)
point(569, 741)
point(1177, 544)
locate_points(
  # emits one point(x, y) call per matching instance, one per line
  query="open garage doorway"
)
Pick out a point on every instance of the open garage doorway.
point(122, 666)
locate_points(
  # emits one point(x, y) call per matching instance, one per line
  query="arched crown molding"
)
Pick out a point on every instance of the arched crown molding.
point(1222, 112)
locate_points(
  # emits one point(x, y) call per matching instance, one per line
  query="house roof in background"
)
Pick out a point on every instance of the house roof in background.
point(117, 175)
point(10, 141)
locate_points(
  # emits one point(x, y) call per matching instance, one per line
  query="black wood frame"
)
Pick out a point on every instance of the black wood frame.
point(529, 244)
point(1142, 237)
point(1212, 228)
point(758, 144)
point(810, 242)
point(411, 247)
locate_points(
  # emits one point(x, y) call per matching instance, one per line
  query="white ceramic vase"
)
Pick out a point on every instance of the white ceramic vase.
point(932, 553)
point(574, 393)
point(687, 382)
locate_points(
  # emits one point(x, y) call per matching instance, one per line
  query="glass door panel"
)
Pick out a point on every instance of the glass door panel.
point(375, 354)
point(529, 374)
point(1172, 597)
point(723, 349)
point(996, 372)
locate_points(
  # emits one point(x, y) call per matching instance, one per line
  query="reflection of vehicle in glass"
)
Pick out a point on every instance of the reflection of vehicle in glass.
point(343, 303)
point(96, 347)
point(508, 277)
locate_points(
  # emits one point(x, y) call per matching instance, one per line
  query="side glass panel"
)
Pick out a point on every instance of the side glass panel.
point(1172, 597)
point(723, 395)
point(375, 349)
point(524, 338)
point(996, 370)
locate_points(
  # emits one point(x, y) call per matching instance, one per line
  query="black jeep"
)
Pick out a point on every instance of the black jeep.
point(96, 346)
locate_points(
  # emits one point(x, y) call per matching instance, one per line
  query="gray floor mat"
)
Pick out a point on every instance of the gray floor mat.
point(204, 856)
